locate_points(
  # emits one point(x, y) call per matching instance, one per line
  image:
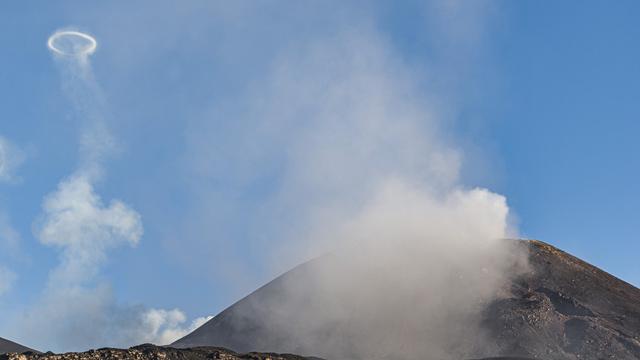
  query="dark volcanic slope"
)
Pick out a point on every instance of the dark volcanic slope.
point(7, 346)
point(567, 309)
point(244, 327)
point(563, 308)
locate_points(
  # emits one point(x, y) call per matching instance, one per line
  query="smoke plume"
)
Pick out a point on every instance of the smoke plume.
point(165, 326)
point(359, 164)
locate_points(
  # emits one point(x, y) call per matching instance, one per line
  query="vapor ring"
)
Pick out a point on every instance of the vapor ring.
point(76, 49)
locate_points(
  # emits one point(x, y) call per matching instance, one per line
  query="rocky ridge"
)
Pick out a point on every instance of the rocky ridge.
point(152, 352)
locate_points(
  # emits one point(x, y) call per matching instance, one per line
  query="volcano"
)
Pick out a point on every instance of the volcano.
point(7, 346)
point(559, 308)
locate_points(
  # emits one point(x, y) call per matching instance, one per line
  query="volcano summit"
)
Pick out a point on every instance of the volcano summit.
point(560, 308)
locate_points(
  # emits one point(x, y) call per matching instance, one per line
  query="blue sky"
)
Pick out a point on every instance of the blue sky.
point(538, 98)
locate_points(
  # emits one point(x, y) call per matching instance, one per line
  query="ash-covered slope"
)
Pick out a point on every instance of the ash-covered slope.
point(561, 308)
point(7, 346)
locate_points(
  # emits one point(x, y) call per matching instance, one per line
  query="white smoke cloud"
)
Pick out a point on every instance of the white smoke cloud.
point(162, 327)
point(353, 143)
point(355, 116)
point(76, 220)
point(7, 279)
point(10, 158)
point(412, 273)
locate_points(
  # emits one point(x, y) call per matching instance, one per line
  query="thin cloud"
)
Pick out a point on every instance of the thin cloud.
point(7, 279)
point(10, 159)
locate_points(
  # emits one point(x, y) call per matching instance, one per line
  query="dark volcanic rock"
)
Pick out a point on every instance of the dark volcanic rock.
point(566, 309)
point(152, 352)
point(7, 346)
point(562, 308)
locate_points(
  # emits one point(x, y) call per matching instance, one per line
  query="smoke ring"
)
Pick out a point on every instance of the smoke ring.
point(88, 48)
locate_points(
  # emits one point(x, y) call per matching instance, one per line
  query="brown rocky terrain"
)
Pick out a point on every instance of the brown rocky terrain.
point(152, 352)
point(566, 308)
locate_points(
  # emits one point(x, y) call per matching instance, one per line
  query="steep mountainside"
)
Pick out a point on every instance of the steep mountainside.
point(9, 346)
point(561, 308)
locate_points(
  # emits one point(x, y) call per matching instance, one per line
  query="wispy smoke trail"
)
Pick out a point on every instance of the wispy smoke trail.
point(79, 312)
point(74, 217)
point(72, 50)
